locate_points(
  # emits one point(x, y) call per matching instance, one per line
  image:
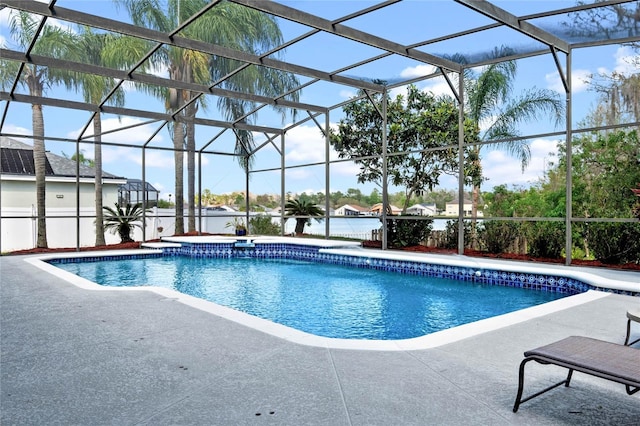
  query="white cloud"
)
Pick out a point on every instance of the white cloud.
point(502, 169)
point(438, 87)
point(123, 155)
point(160, 187)
point(304, 144)
point(11, 128)
point(298, 174)
point(159, 71)
point(417, 71)
point(579, 81)
point(345, 168)
point(347, 94)
point(626, 61)
point(139, 134)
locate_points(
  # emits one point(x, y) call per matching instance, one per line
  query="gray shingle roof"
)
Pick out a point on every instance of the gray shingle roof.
point(17, 159)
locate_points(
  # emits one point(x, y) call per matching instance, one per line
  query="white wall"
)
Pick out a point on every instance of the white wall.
point(18, 227)
point(60, 193)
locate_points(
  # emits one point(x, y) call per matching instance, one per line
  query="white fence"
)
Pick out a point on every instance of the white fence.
point(18, 227)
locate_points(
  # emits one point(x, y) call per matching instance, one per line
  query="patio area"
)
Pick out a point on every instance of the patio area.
point(75, 356)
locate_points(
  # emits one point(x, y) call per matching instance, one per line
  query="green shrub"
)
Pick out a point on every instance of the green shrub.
point(451, 234)
point(406, 233)
point(263, 225)
point(615, 243)
point(497, 236)
point(546, 239)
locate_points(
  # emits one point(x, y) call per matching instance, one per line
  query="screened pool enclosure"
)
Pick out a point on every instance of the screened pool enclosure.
point(219, 102)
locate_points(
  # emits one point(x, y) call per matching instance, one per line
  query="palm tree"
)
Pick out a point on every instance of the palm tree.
point(489, 100)
point(302, 207)
point(122, 221)
point(52, 41)
point(94, 89)
point(230, 25)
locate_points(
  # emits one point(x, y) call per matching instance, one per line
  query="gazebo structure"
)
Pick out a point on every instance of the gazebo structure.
point(487, 27)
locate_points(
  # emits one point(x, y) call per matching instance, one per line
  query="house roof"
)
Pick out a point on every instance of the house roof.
point(17, 159)
point(424, 206)
point(136, 185)
point(356, 208)
point(378, 207)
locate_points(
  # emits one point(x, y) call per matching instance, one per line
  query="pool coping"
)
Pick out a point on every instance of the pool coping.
point(293, 335)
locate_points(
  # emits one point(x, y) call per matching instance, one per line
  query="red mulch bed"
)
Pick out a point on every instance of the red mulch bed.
point(508, 256)
point(367, 244)
point(121, 246)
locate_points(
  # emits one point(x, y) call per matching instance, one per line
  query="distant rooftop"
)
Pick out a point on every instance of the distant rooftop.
point(17, 159)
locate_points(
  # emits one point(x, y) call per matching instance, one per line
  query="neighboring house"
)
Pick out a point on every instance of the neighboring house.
point(451, 208)
point(221, 208)
point(18, 197)
point(351, 210)
point(376, 209)
point(18, 176)
point(425, 209)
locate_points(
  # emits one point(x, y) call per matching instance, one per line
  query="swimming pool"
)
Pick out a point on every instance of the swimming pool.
point(330, 300)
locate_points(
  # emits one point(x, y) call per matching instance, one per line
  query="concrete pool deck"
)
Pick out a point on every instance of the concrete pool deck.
point(75, 356)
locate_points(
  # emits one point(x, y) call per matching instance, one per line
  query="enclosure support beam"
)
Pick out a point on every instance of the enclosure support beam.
point(282, 183)
point(385, 189)
point(461, 163)
point(569, 155)
point(494, 12)
point(199, 192)
point(344, 31)
point(247, 202)
point(77, 194)
point(327, 175)
point(185, 43)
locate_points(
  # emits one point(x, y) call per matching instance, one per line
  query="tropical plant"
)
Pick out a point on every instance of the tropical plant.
point(490, 101)
point(122, 221)
point(81, 158)
point(615, 243)
point(227, 24)
point(237, 224)
point(636, 206)
point(53, 41)
point(451, 232)
point(546, 239)
point(301, 207)
point(407, 232)
point(263, 224)
point(497, 236)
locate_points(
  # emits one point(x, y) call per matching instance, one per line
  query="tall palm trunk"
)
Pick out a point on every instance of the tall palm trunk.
point(178, 145)
point(190, 114)
point(191, 167)
point(39, 161)
point(97, 152)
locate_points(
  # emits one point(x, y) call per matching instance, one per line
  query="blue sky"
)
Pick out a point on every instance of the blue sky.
point(304, 144)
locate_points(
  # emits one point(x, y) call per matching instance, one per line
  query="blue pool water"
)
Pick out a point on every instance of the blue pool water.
point(325, 300)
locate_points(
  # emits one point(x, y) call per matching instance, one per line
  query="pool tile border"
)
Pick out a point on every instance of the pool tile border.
point(327, 254)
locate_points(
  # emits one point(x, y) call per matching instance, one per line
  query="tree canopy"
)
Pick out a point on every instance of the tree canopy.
point(422, 140)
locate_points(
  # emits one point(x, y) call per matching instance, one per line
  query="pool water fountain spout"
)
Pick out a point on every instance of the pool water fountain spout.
point(243, 247)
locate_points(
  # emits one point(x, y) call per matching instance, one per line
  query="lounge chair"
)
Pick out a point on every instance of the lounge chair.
point(598, 358)
point(632, 315)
